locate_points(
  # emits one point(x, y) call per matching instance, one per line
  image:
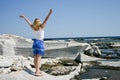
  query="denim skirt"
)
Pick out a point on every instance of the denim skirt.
point(38, 47)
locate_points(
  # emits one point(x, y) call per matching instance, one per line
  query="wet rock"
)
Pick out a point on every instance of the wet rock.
point(103, 78)
point(61, 66)
point(60, 70)
point(93, 51)
point(69, 62)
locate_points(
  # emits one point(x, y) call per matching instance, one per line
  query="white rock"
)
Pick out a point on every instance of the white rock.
point(6, 62)
point(6, 70)
point(113, 63)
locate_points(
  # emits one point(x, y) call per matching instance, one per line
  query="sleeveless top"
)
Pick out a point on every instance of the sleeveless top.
point(39, 34)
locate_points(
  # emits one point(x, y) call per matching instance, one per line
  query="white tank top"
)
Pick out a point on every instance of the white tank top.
point(39, 34)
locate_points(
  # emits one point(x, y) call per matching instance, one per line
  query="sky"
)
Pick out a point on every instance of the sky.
point(70, 18)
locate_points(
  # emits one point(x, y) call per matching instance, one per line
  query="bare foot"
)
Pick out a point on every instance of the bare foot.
point(38, 74)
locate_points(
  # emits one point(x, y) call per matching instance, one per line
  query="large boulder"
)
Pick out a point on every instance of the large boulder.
point(93, 51)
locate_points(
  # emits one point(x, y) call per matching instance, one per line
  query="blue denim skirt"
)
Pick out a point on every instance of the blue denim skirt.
point(38, 47)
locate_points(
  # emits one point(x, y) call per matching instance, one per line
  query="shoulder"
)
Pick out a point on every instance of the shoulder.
point(32, 27)
point(42, 26)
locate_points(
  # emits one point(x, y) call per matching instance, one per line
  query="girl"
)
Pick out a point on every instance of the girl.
point(38, 44)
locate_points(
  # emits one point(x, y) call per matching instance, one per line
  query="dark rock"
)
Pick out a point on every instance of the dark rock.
point(103, 78)
point(93, 51)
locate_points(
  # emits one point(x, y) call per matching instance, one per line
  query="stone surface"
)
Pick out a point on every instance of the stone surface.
point(19, 67)
point(16, 45)
point(21, 70)
point(7, 47)
point(5, 62)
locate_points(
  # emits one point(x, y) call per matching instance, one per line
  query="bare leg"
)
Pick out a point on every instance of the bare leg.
point(37, 60)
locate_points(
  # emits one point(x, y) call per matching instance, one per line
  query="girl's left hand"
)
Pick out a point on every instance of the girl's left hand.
point(21, 16)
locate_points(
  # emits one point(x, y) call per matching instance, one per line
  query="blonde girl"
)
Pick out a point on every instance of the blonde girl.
point(38, 44)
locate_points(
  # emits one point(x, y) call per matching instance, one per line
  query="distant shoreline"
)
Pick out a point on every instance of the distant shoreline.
point(66, 38)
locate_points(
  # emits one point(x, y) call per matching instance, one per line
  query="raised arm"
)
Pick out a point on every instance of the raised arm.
point(27, 20)
point(47, 17)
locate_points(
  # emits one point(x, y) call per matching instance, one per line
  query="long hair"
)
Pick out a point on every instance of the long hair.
point(36, 24)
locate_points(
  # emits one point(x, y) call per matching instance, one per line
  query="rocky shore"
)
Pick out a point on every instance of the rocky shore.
point(63, 60)
point(22, 68)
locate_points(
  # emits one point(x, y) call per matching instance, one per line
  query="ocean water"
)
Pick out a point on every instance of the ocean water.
point(98, 73)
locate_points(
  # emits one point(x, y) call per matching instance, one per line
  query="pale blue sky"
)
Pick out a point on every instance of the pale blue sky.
point(70, 18)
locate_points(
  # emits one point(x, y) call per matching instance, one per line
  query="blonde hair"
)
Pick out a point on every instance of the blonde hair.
point(36, 24)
